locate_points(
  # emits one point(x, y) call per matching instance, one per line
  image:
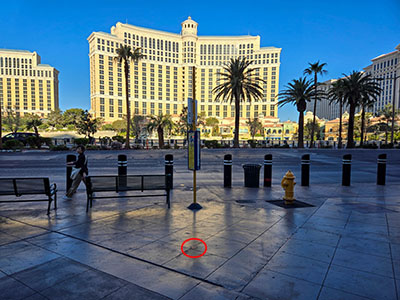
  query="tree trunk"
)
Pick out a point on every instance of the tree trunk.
point(237, 116)
point(128, 111)
point(340, 123)
point(386, 132)
point(160, 132)
point(350, 130)
point(315, 110)
point(1, 128)
point(301, 130)
point(362, 125)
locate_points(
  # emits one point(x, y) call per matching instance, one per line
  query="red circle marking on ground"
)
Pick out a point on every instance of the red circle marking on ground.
point(194, 239)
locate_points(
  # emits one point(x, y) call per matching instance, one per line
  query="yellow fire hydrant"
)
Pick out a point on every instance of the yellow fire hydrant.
point(288, 184)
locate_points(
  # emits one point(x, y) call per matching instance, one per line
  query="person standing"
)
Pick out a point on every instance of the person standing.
point(79, 171)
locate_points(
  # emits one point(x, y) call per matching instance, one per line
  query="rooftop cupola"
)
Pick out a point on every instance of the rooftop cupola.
point(189, 27)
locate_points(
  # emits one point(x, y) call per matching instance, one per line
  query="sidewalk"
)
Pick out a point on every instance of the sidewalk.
point(345, 247)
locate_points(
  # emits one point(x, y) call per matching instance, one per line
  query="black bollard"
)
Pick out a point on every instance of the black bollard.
point(70, 158)
point(122, 171)
point(305, 170)
point(267, 170)
point(381, 174)
point(228, 170)
point(346, 170)
point(169, 168)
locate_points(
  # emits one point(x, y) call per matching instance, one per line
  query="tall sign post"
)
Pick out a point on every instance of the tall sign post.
point(193, 141)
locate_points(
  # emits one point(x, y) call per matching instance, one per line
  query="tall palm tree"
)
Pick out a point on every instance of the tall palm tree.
point(255, 126)
point(356, 87)
point(298, 92)
point(238, 83)
point(125, 55)
point(159, 123)
point(34, 122)
point(386, 113)
point(335, 93)
point(315, 69)
point(366, 102)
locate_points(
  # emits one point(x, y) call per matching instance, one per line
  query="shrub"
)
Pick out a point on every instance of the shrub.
point(33, 141)
point(212, 144)
point(387, 146)
point(59, 148)
point(115, 145)
point(13, 145)
point(92, 147)
point(46, 140)
point(166, 146)
point(252, 143)
point(370, 146)
point(81, 141)
point(118, 138)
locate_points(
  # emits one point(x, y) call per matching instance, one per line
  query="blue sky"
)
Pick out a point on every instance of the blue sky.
point(344, 34)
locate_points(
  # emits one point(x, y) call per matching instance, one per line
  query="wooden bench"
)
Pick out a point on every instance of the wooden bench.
point(28, 186)
point(114, 183)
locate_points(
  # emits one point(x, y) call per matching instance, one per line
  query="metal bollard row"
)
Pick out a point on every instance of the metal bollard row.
point(169, 168)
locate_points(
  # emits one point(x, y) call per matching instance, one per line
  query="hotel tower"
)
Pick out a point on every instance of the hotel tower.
point(162, 81)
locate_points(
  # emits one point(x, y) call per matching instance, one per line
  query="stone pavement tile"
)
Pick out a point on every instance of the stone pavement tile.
point(90, 284)
point(157, 279)
point(223, 247)
point(180, 236)
point(396, 267)
point(327, 221)
point(19, 229)
point(237, 235)
point(133, 291)
point(125, 242)
point(206, 291)
point(47, 239)
point(156, 231)
point(361, 228)
point(12, 289)
point(91, 232)
point(334, 294)
point(45, 275)
point(157, 252)
point(272, 285)
point(255, 226)
point(240, 269)
point(200, 267)
point(24, 257)
point(395, 249)
point(361, 283)
point(363, 262)
point(393, 219)
point(297, 266)
point(308, 249)
point(6, 238)
point(365, 246)
point(317, 236)
point(372, 219)
point(36, 296)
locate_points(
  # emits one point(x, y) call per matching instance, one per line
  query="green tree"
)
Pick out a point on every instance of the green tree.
point(125, 56)
point(119, 126)
point(55, 119)
point(315, 69)
point(72, 116)
point(356, 87)
point(310, 129)
point(182, 126)
point(87, 125)
point(254, 126)
point(33, 122)
point(386, 114)
point(137, 125)
point(213, 122)
point(159, 124)
point(238, 83)
point(298, 92)
point(336, 94)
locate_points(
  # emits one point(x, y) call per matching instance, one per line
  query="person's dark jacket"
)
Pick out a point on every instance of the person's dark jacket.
point(82, 164)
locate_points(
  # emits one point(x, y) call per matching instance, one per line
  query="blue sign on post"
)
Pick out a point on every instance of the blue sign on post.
point(194, 150)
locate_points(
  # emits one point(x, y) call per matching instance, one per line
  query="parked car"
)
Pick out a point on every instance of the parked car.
point(19, 136)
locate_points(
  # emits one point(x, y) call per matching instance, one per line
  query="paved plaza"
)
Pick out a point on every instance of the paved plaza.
point(345, 246)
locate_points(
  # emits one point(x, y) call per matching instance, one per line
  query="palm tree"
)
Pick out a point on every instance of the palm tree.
point(238, 84)
point(357, 86)
point(315, 68)
point(298, 92)
point(159, 123)
point(1, 128)
point(335, 93)
point(125, 55)
point(366, 102)
point(386, 113)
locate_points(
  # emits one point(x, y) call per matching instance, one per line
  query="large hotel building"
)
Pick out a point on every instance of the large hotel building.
point(385, 68)
point(26, 85)
point(161, 82)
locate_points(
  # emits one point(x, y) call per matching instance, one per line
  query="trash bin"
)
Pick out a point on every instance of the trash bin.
point(252, 175)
